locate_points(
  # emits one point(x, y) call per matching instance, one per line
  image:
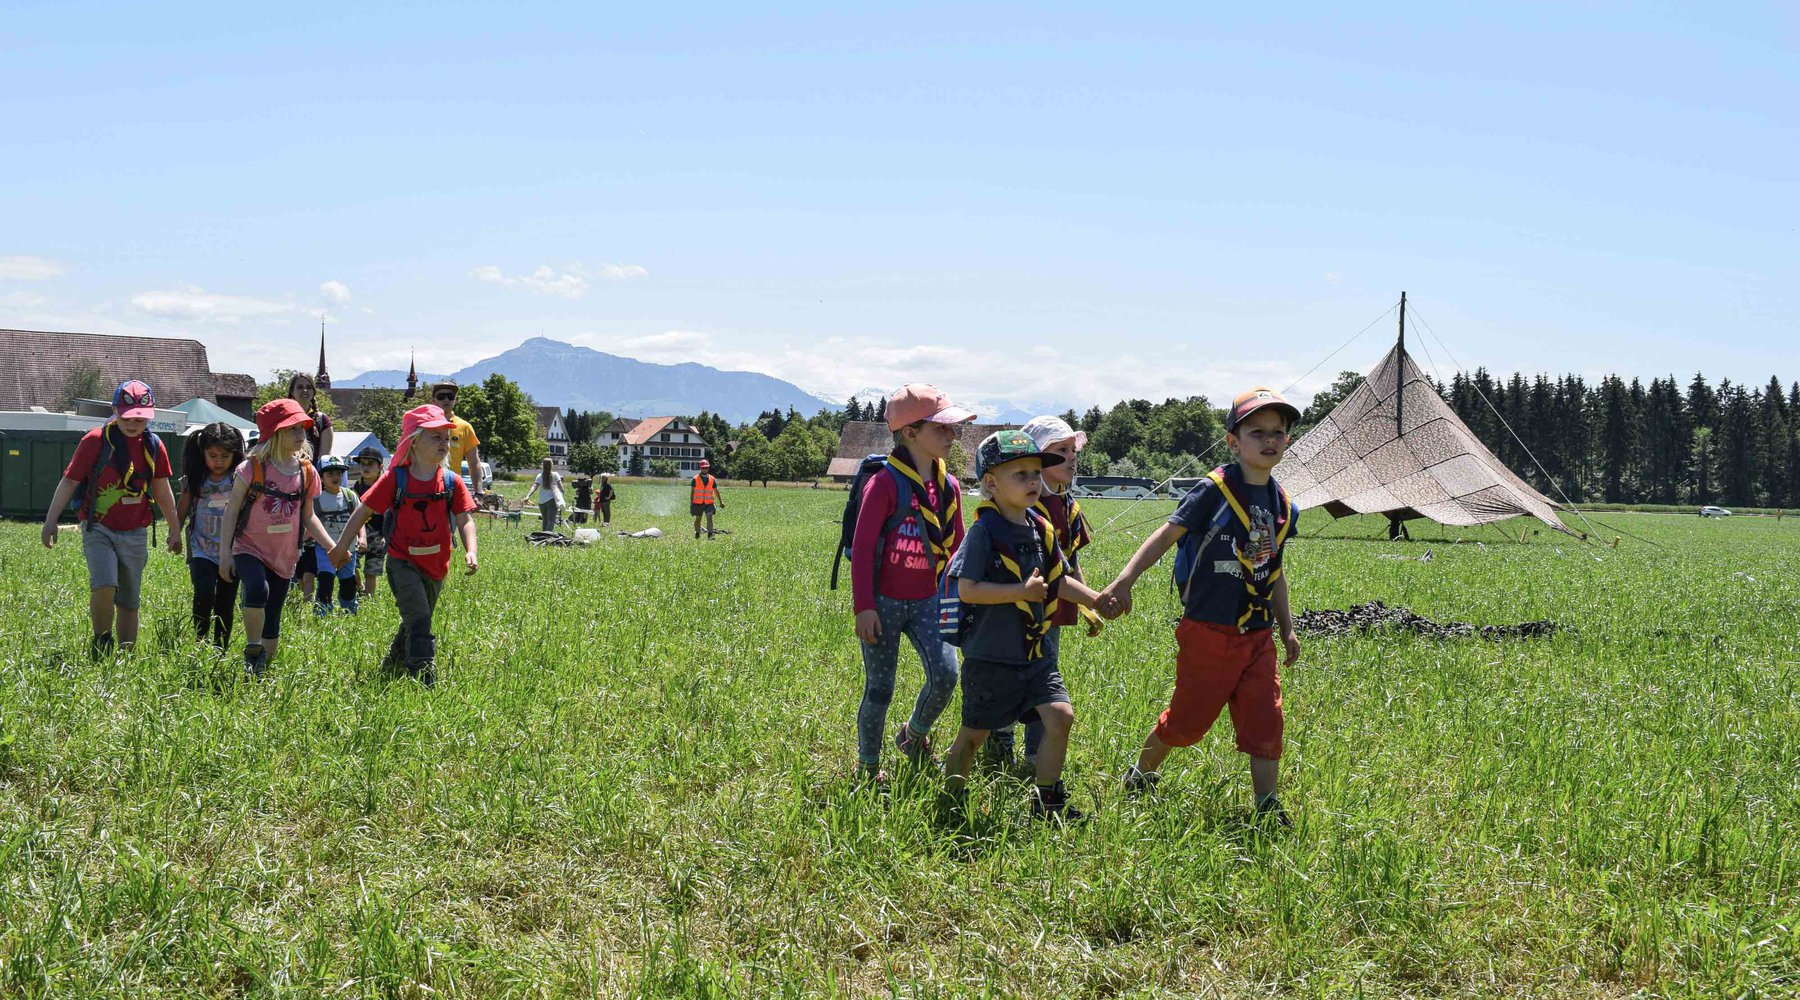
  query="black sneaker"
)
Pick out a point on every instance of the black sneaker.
point(427, 674)
point(1269, 811)
point(256, 662)
point(1053, 806)
point(100, 646)
point(1140, 782)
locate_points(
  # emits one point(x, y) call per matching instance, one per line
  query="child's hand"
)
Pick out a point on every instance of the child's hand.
point(175, 542)
point(469, 561)
point(225, 566)
point(49, 534)
point(338, 556)
point(1035, 588)
point(868, 626)
point(1291, 643)
point(1114, 602)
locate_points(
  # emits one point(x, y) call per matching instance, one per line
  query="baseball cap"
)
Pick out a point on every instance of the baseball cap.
point(1249, 402)
point(1002, 447)
point(133, 400)
point(918, 401)
point(704, 464)
point(1046, 431)
point(330, 462)
point(278, 413)
point(368, 455)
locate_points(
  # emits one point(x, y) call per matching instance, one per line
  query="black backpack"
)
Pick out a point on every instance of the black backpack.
point(88, 493)
point(872, 465)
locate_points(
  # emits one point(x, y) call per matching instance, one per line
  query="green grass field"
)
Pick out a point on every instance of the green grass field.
point(633, 781)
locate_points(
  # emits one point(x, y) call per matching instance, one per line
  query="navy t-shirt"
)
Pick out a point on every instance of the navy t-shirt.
point(996, 632)
point(1218, 594)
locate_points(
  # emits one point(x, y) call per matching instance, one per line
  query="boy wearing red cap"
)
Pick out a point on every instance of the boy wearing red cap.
point(1234, 591)
point(271, 507)
point(908, 526)
point(422, 499)
point(114, 470)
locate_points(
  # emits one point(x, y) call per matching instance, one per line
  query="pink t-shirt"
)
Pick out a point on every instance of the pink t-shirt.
point(273, 530)
point(906, 572)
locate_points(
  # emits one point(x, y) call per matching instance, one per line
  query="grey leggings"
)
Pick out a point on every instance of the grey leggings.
point(918, 620)
point(416, 597)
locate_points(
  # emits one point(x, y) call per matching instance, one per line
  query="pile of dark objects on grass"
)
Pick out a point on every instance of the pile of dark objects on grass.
point(1376, 616)
point(544, 538)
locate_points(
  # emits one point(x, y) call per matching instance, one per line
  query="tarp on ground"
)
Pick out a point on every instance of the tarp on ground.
point(1394, 447)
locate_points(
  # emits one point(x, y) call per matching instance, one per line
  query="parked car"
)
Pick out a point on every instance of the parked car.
point(1710, 511)
point(487, 477)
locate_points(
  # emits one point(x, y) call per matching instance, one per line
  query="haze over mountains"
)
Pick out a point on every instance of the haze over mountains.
point(557, 374)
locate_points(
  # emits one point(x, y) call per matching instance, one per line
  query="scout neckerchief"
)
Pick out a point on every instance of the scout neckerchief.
point(939, 526)
point(1037, 616)
point(1257, 596)
point(1079, 534)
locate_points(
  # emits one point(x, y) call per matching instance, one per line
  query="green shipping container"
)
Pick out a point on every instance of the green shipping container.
point(32, 463)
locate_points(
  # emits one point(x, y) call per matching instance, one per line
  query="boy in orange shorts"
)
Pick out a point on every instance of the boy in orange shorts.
point(1233, 593)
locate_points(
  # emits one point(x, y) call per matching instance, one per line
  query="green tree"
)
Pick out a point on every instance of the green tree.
point(754, 460)
point(87, 381)
point(797, 453)
point(663, 468)
point(505, 420)
point(1119, 431)
point(380, 411)
point(591, 459)
point(959, 463)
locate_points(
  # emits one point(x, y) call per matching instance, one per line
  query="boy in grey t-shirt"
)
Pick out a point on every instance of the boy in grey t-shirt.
point(334, 505)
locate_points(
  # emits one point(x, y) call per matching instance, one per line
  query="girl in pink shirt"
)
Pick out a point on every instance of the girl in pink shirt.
point(271, 506)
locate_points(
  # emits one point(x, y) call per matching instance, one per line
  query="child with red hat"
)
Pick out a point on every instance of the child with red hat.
point(1234, 593)
point(271, 506)
point(421, 499)
point(115, 469)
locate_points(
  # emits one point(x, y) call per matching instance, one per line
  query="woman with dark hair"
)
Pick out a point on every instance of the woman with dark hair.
point(302, 390)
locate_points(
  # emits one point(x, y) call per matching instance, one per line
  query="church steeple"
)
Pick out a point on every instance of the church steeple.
point(323, 378)
point(412, 376)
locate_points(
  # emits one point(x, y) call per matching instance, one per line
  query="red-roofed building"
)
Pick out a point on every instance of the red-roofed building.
point(655, 438)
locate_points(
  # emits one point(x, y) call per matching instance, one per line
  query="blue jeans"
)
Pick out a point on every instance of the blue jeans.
point(919, 621)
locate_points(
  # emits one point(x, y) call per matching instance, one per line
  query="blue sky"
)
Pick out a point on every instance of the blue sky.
point(1042, 203)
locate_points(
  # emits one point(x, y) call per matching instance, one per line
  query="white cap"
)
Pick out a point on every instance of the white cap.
point(1046, 431)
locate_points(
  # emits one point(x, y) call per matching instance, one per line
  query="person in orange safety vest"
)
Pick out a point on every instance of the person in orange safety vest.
point(704, 499)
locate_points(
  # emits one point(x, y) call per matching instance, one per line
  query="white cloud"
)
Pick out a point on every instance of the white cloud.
point(1333, 278)
point(672, 342)
point(336, 292)
point(22, 300)
point(26, 268)
point(570, 281)
point(191, 302)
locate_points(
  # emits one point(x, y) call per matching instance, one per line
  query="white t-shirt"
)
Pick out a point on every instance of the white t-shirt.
point(550, 491)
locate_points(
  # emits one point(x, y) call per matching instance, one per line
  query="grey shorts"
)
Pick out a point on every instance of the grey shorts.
point(996, 695)
point(116, 559)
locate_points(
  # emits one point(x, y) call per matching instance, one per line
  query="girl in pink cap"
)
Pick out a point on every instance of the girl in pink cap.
point(421, 499)
point(908, 524)
point(271, 506)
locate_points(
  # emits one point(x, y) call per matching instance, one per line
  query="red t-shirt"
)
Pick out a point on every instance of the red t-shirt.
point(421, 530)
point(906, 571)
point(119, 505)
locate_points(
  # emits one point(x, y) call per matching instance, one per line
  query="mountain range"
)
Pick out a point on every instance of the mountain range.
point(557, 374)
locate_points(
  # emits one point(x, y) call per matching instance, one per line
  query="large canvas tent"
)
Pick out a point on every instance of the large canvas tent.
point(1394, 447)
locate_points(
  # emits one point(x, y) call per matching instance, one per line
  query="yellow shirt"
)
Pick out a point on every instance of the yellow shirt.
point(463, 441)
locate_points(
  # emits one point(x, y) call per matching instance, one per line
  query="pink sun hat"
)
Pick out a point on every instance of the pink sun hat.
point(420, 418)
point(918, 401)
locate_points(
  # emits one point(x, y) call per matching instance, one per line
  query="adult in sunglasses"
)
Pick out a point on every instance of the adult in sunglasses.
point(464, 445)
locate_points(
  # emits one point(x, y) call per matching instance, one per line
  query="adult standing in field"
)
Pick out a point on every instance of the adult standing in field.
point(704, 497)
point(548, 488)
point(464, 445)
point(607, 495)
point(302, 390)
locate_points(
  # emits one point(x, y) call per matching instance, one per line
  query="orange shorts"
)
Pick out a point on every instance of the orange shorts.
point(1215, 666)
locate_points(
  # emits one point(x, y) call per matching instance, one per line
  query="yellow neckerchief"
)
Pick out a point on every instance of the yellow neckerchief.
point(940, 530)
point(1257, 601)
point(1037, 616)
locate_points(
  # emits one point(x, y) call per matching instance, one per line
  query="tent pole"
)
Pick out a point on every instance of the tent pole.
point(1400, 371)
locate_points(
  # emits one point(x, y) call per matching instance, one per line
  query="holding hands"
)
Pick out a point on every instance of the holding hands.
point(1115, 600)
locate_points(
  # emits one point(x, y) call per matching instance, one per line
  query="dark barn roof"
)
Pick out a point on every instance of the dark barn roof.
point(35, 367)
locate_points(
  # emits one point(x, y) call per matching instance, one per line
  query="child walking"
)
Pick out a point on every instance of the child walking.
point(271, 507)
point(1235, 591)
point(607, 496)
point(421, 499)
point(548, 488)
point(374, 548)
point(336, 504)
point(1011, 577)
point(1053, 435)
point(207, 462)
point(116, 468)
point(908, 526)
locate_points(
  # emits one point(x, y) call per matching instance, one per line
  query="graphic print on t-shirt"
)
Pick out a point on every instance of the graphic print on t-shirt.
point(1261, 547)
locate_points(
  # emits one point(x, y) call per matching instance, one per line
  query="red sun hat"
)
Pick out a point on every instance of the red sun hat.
point(918, 401)
point(279, 413)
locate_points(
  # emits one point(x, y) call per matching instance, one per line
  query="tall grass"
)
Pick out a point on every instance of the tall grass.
point(633, 781)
